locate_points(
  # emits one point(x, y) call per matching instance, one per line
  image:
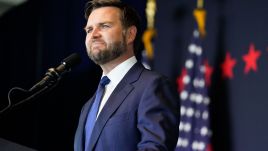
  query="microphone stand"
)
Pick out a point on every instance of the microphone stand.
point(51, 79)
point(48, 83)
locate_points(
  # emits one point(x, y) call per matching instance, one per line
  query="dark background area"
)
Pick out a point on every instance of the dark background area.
point(38, 34)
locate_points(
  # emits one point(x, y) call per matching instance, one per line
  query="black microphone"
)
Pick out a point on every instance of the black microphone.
point(53, 75)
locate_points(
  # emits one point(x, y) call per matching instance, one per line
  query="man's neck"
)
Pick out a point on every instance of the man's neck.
point(106, 68)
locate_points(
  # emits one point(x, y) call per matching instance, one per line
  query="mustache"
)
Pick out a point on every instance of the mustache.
point(97, 40)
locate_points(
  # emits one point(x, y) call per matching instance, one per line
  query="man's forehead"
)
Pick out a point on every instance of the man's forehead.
point(106, 11)
point(104, 14)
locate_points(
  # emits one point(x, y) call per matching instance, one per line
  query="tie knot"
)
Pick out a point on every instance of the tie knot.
point(104, 81)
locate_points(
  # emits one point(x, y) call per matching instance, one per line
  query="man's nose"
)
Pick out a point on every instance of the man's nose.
point(95, 33)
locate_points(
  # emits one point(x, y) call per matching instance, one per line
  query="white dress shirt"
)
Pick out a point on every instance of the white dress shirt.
point(115, 76)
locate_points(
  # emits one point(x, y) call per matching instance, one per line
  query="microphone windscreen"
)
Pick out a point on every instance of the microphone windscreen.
point(72, 60)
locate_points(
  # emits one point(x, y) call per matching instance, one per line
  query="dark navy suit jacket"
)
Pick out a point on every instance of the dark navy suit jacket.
point(142, 113)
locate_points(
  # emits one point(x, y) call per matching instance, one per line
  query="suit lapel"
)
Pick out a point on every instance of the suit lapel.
point(115, 100)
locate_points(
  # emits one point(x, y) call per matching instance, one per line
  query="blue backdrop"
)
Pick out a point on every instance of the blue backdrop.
point(38, 34)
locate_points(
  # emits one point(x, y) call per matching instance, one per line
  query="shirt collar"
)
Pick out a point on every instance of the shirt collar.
point(117, 74)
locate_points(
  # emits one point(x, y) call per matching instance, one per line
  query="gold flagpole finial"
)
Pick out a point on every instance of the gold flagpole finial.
point(150, 31)
point(200, 16)
point(150, 13)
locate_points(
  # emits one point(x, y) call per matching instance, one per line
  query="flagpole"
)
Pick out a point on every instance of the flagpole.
point(200, 4)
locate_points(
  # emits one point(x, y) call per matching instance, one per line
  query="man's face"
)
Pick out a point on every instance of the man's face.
point(105, 40)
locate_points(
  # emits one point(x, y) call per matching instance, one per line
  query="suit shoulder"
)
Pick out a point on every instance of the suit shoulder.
point(153, 75)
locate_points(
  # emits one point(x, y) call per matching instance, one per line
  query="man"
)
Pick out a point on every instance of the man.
point(139, 109)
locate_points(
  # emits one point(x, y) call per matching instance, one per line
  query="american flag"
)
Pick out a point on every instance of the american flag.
point(194, 125)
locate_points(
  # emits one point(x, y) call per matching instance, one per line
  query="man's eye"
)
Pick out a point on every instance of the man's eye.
point(105, 26)
point(88, 31)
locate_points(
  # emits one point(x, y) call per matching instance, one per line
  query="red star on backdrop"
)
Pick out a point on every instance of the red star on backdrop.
point(251, 59)
point(179, 80)
point(208, 72)
point(227, 66)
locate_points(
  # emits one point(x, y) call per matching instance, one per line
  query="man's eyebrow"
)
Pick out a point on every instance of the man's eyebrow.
point(87, 27)
point(101, 23)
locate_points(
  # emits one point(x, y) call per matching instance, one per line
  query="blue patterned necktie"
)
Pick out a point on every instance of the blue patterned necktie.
point(91, 118)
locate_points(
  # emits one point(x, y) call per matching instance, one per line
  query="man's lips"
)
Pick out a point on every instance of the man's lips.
point(95, 45)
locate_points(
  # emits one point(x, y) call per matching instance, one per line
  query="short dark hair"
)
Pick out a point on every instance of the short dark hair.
point(129, 16)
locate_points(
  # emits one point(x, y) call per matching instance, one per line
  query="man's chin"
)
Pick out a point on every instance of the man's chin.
point(95, 50)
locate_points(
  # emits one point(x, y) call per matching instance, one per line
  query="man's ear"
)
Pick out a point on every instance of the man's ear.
point(131, 34)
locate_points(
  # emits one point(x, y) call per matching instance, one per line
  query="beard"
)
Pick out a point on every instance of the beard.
point(111, 52)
